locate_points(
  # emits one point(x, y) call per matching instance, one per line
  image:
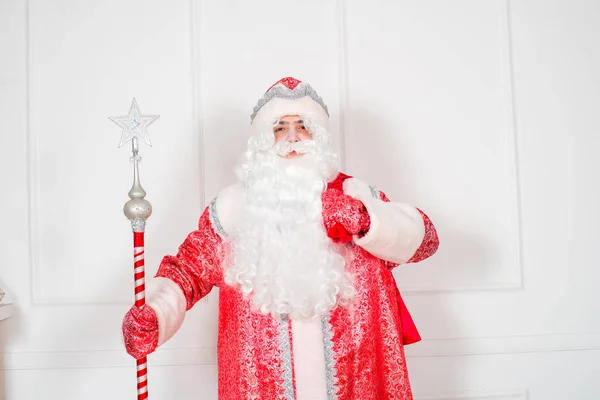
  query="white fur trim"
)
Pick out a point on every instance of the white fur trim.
point(309, 359)
point(168, 301)
point(397, 229)
point(229, 206)
point(277, 107)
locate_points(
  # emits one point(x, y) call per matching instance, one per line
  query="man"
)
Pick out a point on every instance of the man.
point(302, 256)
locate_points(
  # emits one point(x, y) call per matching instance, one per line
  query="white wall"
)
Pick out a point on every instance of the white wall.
point(482, 112)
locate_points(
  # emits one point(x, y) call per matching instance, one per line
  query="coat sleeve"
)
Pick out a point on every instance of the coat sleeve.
point(185, 278)
point(399, 233)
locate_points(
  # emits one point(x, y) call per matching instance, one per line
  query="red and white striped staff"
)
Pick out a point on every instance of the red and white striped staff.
point(137, 210)
point(140, 300)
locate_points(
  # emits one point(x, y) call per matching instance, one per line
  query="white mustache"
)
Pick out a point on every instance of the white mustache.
point(284, 148)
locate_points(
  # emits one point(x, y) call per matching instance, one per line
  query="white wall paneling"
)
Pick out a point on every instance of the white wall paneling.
point(76, 175)
point(482, 113)
point(440, 103)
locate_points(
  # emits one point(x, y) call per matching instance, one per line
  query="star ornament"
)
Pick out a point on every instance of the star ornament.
point(134, 124)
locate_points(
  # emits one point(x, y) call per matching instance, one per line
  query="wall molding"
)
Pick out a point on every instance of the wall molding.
point(43, 360)
point(510, 110)
point(515, 284)
point(506, 61)
point(511, 344)
point(427, 348)
point(342, 50)
point(509, 394)
point(33, 233)
point(423, 290)
point(197, 98)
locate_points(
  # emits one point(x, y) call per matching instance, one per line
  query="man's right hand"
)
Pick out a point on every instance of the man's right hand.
point(140, 331)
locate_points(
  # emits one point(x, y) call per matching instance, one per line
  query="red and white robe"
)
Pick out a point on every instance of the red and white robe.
point(353, 353)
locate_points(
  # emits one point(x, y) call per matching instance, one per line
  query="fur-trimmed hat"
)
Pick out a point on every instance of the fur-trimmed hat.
point(289, 96)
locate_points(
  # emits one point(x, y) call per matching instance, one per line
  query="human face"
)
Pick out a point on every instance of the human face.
point(291, 128)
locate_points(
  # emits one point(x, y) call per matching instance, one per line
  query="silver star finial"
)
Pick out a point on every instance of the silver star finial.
point(134, 124)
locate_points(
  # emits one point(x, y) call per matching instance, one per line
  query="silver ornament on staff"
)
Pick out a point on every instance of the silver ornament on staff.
point(137, 210)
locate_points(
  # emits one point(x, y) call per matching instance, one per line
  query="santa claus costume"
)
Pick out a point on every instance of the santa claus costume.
point(302, 255)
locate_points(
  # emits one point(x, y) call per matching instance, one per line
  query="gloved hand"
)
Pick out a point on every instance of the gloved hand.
point(344, 216)
point(140, 331)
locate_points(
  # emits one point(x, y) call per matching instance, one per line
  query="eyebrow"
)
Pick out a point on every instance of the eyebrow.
point(287, 123)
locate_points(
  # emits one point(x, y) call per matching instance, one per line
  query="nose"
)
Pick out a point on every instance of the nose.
point(293, 135)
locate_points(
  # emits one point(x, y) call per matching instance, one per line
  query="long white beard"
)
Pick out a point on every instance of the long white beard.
point(281, 256)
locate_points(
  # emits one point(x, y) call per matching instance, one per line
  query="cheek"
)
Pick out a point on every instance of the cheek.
point(305, 135)
point(279, 136)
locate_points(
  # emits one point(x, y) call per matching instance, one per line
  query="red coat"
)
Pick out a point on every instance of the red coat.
point(362, 344)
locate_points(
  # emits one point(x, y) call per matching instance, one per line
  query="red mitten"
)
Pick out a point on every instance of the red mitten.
point(140, 331)
point(344, 216)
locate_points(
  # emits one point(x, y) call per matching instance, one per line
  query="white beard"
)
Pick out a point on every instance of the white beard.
point(280, 255)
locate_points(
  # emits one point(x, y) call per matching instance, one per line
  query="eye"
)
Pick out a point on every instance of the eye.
point(302, 127)
point(278, 129)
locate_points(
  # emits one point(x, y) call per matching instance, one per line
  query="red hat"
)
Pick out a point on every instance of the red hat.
point(289, 96)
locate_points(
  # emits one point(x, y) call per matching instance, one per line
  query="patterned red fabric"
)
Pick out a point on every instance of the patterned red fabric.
point(430, 243)
point(251, 364)
point(410, 333)
point(254, 350)
point(197, 266)
point(343, 216)
point(338, 182)
point(368, 339)
point(288, 82)
point(248, 342)
point(140, 331)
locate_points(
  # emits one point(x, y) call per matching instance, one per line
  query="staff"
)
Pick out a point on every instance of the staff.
point(137, 210)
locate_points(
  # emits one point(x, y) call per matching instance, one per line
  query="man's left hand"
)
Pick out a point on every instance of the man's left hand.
point(344, 216)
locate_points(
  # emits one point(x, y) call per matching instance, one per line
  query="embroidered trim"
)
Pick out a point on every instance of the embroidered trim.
point(330, 372)
point(286, 358)
point(376, 193)
point(214, 219)
point(283, 92)
point(138, 225)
